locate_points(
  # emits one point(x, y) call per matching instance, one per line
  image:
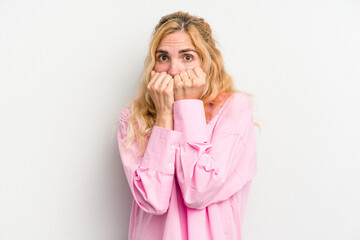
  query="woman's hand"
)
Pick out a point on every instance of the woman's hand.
point(189, 84)
point(161, 91)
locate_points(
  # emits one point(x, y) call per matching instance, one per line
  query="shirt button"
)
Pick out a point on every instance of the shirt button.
point(171, 165)
point(172, 147)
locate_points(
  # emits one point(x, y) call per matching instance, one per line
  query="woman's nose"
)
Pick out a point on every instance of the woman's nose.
point(174, 68)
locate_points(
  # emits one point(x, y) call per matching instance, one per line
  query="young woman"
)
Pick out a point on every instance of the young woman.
point(187, 142)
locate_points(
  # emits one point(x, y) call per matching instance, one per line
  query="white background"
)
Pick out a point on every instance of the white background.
point(67, 68)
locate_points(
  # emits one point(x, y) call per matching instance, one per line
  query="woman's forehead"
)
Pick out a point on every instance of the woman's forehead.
point(175, 40)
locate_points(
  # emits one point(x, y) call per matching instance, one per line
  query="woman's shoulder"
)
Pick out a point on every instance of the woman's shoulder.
point(237, 102)
point(240, 97)
point(124, 113)
point(123, 119)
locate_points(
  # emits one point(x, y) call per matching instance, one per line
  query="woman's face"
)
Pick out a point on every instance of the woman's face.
point(176, 53)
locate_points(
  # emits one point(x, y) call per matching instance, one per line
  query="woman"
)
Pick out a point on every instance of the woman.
point(187, 143)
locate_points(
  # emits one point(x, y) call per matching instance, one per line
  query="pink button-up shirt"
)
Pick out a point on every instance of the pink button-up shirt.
point(192, 182)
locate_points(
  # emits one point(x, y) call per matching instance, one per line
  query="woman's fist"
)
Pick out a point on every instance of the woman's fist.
point(161, 91)
point(189, 84)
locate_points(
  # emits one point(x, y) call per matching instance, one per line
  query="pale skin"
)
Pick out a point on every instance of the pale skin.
point(177, 75)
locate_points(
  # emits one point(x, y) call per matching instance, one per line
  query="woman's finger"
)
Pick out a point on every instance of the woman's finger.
point(159, 79)
point(177, 81)
point(171, 83)
point(199, 72)
point(170, 86)
point(185, 78)
point(192, 76)
point(152, 80)
point(165, 81)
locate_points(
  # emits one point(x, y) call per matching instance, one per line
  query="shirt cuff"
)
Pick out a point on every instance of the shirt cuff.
point(189, 118)
point(160, 150)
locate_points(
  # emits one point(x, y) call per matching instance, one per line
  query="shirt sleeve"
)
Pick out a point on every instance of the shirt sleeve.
point(212, 167)
point(150, 176)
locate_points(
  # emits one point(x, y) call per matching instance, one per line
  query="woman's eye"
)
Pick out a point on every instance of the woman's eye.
point(162, 58)
point(188, 57)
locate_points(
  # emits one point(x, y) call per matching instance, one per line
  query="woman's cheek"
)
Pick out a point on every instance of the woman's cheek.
point(195, 63)
point(160, 68)
point(192, 65)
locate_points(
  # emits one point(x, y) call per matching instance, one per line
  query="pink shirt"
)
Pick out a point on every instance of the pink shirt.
point(192, 182)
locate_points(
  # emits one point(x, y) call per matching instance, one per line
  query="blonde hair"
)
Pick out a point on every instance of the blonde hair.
point(219, 84)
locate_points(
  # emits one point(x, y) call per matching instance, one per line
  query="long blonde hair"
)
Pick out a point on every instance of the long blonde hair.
point(219, 84)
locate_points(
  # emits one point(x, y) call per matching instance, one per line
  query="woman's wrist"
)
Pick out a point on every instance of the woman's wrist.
point(165, 121)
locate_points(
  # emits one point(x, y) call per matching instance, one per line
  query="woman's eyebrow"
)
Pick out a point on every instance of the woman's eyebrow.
point(187, 50)
point(161, 51)
point(181, 51)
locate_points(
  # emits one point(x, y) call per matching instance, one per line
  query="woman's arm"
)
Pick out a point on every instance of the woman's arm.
point(212, 171)
point(150, 177)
